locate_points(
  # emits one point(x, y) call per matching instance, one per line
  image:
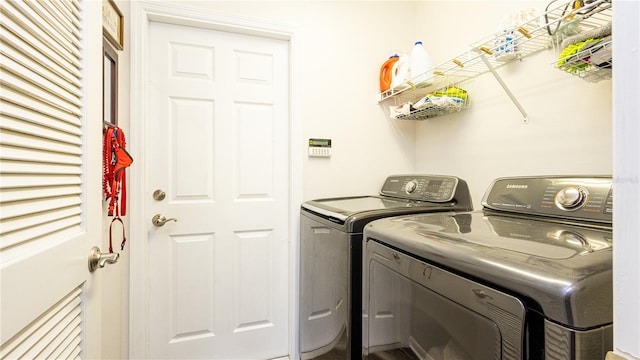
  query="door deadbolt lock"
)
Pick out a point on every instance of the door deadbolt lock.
point(159, 195)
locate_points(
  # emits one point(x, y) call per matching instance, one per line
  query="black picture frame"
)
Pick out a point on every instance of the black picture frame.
point(109, 85)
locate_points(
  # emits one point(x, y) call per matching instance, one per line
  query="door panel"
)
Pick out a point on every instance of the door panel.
point(388, 318)
point(323, 286)
point(49, 179)
point(219, 149)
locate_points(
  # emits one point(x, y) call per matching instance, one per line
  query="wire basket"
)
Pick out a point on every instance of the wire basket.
point(593, 64)
point(447, 100)
point(582, 38)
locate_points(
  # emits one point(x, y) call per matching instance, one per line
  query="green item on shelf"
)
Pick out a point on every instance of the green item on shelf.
point(450, 91)
point(571, 50)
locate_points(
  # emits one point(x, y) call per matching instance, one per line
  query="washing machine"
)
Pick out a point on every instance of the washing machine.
point(527, 277)
point(331, 256)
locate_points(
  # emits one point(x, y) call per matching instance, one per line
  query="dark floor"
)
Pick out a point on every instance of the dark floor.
point(339, 352)
point(395, 354)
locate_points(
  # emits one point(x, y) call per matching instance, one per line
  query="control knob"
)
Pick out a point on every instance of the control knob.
point(411, 186)
point(571, 198)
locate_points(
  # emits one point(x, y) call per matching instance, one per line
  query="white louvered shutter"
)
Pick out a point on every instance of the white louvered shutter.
point(41, 163)
point(40, 143)
point(56, 335)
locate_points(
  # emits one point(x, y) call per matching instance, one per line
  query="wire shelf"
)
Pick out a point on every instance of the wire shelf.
point(590, 65)
point(543, 32)
point(584, 43)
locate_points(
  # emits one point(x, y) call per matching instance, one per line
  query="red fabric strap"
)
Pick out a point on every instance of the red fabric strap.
point(124, 237)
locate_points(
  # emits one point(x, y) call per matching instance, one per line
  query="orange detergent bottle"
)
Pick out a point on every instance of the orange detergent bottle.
point(386, 73)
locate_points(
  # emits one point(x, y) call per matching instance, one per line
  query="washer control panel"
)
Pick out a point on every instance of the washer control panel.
point(578, 198)
point(572, 198)
point(433, 188)
point(411, 186)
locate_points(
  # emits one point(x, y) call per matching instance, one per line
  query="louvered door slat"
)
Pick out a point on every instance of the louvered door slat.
point(18, 346)
point(67, 37)
point(29, 109)
point(54, 348)
point(10, 226)
point(34, 155)
point(63, 344)
point(59, 333)
point(60, 10)
point(17, 82)
point(22, 15)
point(40, 231)
point(35, 143)
point(33, 129)
point(63, 28)
point(35, 46)
point(7, 195)
point(35, 72)
point(71, 353)
point(11, 138)
point(62, 16)
point(29, 181)
point(26, 207)
point(69, 7)
point(17, 167)
point(12, 40)
point(58, 322)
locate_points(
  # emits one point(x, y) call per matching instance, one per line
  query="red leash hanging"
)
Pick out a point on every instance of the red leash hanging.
point(114, 180)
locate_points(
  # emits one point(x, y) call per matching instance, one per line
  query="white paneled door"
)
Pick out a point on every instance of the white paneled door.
point(218, 150)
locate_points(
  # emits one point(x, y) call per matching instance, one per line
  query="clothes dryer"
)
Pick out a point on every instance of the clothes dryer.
point(331, 256)
point(527, 277)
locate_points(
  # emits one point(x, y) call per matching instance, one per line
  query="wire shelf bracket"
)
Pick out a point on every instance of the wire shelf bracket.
point(515, 101)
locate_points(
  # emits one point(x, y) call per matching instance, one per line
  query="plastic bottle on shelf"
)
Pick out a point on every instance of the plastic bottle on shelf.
point(400, 73)
point(420, 65)
point(386, 72)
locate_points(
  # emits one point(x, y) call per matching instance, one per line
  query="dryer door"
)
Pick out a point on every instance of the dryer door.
point(324, 281)
point(417, 309)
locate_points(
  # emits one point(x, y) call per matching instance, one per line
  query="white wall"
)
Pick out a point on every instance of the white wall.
point(115, 279)
point(570, 122)
point(338, 50)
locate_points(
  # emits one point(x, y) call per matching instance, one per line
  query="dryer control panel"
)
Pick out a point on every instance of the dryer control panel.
point(432, 188)
point(575, 198)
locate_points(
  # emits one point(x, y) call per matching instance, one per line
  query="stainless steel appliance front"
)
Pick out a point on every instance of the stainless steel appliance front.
point(419, 309)
point(545, 242)
point(331, 256)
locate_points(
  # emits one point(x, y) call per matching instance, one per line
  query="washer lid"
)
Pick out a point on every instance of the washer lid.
point(343, 208)
point(412, 191)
